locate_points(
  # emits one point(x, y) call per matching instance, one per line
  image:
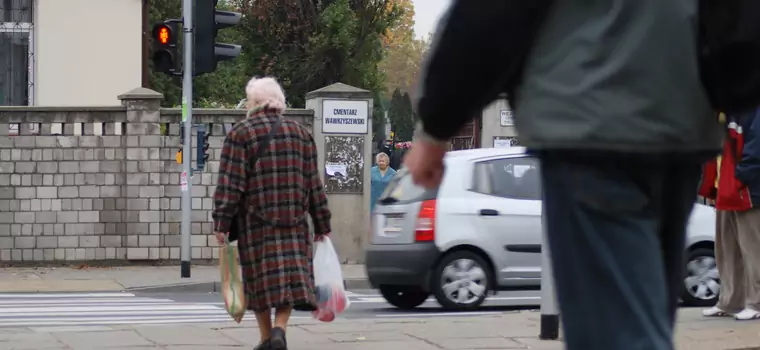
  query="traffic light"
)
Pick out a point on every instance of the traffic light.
point(207, 21)
point(165, 58)
point(203, 146)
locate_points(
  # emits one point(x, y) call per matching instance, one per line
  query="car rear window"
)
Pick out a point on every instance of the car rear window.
point(401, 190)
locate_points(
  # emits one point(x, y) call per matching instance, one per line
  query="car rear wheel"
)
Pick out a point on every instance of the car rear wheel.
point(702, 282)
point(461, 280)
point(404, 297)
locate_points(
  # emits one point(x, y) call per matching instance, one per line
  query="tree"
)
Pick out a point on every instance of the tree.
point(403, 28)
point(305, 44)
point(401, 117)
point(309, 44)
point(378, 118)
point(409, 118)
point(401, 63)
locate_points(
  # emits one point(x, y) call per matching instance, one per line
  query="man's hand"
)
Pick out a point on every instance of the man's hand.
point(221, 237)
point(425, 163)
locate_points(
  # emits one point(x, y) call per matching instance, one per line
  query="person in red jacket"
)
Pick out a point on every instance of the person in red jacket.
point(737, 200)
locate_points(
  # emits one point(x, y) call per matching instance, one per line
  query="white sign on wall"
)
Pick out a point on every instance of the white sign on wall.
point(345, 117)
point(505, 142)
point(507, 119)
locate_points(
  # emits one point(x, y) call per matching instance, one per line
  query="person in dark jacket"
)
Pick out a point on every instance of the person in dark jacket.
point(609, 97)
point(737, 237)
point(271, 199)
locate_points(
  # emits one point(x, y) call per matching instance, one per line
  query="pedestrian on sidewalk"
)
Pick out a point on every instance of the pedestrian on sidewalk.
point(737, 236)
point(380, 176)
point(270, 198)
point(608, 95)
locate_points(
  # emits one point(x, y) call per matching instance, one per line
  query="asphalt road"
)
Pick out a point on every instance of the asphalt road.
point(369, 304)
point(125, 308)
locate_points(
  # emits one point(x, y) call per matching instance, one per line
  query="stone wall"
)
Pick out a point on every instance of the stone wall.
point(80, 184)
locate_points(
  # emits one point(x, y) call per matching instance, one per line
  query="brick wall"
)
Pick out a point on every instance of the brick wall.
point(82, 184)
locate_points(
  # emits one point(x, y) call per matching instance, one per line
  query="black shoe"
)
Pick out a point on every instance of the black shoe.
point(277, 341)
point(266, 345)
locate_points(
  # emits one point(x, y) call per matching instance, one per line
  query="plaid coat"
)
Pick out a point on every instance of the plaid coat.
point(272, 199)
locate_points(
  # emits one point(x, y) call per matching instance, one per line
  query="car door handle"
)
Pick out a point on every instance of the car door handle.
point(489, 212)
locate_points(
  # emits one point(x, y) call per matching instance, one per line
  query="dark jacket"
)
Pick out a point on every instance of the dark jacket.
point(739, 170)
point(600, 74)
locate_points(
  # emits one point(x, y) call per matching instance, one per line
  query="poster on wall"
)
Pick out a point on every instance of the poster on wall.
point(345, 117)
point(505, 141)
point(344, 164)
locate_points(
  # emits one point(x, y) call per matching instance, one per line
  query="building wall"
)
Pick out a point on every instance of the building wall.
point(86, 51)
point(492, 127)
point(102, 183)
point(107, 187)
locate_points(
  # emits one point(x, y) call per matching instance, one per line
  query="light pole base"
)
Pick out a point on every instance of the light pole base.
point(185, 269)
point(549, 327)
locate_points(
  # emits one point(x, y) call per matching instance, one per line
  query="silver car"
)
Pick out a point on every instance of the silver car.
point(429, 242)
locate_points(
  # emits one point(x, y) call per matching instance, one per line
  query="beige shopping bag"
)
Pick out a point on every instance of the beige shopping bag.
point(232, 284)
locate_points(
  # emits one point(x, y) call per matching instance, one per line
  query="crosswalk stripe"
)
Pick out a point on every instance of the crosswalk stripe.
point(439, 314)
point(99, 301)
point(375, 299)
point(128, 308)
point(93, 309)
point(63, 295)
point(119, 322)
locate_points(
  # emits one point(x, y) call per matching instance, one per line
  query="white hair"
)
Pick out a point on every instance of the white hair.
point(265, 91)
point(382, 155)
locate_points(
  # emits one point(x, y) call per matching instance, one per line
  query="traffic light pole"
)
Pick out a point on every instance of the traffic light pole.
point(549, 328)
point(187, 120)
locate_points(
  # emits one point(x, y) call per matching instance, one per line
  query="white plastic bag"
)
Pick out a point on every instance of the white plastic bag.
point(328, 279)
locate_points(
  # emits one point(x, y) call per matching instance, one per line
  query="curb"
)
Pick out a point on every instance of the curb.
point(357, 283)
point(213, 287)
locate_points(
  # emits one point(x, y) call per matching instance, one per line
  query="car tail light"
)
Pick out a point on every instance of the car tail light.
point(424, 230)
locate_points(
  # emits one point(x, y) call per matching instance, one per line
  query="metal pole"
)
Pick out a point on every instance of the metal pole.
point(187, 119)
point(549, 309)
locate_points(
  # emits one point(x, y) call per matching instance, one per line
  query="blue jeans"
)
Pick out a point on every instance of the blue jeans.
point(616, 225)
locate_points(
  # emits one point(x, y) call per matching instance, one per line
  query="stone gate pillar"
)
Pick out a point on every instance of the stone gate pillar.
point(343, 133)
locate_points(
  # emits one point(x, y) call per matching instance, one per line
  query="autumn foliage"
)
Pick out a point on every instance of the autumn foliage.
point(404, 51)
point(306, 44)
point(313, 43)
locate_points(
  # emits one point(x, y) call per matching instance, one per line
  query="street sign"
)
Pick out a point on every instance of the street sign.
point(345, 117)
point(507, 118)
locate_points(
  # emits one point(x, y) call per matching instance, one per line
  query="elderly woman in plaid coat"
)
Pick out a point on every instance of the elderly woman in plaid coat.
point(270, 200)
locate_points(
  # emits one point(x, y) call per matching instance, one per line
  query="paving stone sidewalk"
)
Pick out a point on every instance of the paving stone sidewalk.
point(511, 330)
point(117, 278)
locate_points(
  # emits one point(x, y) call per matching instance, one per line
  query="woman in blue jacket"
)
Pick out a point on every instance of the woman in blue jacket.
point(380, 175)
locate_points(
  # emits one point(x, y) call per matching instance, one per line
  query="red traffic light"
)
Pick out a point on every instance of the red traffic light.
point(163, 34)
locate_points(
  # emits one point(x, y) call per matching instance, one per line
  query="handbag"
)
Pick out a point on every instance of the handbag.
point(234, 230)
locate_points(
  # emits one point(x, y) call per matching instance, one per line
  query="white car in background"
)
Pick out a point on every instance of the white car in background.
point(480, 232)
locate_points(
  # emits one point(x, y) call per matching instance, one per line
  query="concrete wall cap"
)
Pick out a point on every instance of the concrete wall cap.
point(340, 90)
point(141, 94)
